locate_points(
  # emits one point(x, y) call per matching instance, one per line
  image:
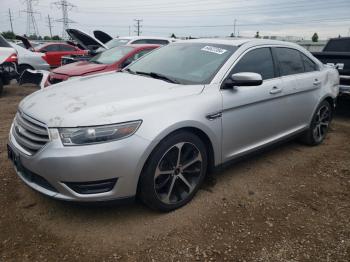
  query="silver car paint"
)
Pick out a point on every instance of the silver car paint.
point(33, 59)
point(252, 117)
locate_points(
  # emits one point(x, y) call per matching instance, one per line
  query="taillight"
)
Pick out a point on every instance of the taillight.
point(12, 58)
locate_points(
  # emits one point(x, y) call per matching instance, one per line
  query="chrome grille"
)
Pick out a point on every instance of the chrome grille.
point(29, 133)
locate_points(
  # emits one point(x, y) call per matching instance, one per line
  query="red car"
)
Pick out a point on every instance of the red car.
point(54, 52)
point(109, 60)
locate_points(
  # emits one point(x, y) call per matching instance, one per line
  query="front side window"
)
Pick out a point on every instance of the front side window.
point(256, 61)
point(112, 55)
point(290, 61)
point(187, 63)
point(309, 65)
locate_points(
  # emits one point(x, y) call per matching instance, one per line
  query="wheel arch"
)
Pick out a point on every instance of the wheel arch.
point(204, 136)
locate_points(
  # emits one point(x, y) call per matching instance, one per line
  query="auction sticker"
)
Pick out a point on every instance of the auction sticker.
point(213, 49)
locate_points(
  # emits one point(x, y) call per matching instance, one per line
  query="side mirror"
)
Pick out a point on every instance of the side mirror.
point(243, 79)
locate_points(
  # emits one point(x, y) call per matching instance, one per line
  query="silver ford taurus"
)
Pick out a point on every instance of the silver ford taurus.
point(155, 129)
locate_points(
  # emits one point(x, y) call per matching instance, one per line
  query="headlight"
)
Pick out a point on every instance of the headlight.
point(97, 134)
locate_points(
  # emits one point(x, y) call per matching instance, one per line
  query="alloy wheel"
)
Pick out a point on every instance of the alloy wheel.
point(323, 118)
point(178, 173)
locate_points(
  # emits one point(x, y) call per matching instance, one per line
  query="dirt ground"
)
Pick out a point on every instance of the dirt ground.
point(290, 203)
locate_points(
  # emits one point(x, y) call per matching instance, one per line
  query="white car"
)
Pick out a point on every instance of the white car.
point(30, 60)
point(8, 63)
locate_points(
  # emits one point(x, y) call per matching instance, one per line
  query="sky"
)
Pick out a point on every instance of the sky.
point(197, 18)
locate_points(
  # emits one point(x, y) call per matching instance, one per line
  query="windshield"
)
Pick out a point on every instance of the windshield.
point(186, 63)
point(112, 55)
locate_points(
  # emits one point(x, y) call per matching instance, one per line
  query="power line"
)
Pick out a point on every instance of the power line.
point(49, 24)
point(65, 6)
point(10, 17)
point(138, 26)
point(32, 27)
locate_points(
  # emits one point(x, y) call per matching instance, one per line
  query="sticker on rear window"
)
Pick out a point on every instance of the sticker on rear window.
point(213, 49)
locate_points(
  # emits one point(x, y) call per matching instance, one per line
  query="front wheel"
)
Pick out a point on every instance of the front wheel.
point(319, 125)
point(174, 172)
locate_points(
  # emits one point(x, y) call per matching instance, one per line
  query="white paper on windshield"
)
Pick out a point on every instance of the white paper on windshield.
point(213, 49)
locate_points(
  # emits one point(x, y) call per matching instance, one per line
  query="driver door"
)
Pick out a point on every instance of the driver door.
point(253, 115)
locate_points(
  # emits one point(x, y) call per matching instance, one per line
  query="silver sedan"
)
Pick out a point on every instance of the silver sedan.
point(157, 128)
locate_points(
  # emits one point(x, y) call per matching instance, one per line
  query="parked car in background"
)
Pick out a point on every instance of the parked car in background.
point(30, 60)
point(8, 63)
point(155, 128)
point(53, 50)
point(102, 41)
point(108, 60)
point(337, 53)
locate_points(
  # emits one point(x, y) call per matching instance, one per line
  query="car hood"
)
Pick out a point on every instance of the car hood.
point(79, 68)
point(101, 99)
point(85, 40)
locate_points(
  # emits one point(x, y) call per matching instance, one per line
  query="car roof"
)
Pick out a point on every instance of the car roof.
point(239, 41)
point(144, 37)
point(144, 45)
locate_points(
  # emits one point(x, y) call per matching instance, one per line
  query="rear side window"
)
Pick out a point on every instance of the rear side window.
point(66, 48)
point(151, 41)
point(256, 61)
point(309, 65)
point(338, 45)
point(290, 61)
point(52, 48)
point(3, 42)
point(141, 53)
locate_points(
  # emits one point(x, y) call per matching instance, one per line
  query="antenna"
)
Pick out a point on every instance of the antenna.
point(32, 27)
point(138, 26)
point(65, 6)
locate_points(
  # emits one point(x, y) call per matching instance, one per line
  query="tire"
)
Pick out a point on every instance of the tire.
point(165, 172)
point(22, 68)
point(319, 125)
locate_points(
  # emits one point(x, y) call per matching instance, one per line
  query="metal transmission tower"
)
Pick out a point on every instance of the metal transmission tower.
point(10, 17)
point(65, 6)
point(138, 26)
point(32, 27)
point(49, 24)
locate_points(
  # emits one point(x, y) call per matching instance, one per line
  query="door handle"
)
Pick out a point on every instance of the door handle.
point(275, 90)
point(317, 82)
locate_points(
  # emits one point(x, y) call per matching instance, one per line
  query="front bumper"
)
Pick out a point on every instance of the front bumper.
point(52, 170)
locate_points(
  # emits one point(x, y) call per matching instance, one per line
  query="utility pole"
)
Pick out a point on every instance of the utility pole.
point(49, 24)
point(10, 16)
point(234, 27)
point(138, 26)
point(65, 6)
point(32, 27)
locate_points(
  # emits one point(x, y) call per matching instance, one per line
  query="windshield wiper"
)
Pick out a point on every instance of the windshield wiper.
point(158, 76)
point(129, 71)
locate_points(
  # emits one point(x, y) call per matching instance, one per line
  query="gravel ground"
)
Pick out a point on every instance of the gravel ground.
point(289, 203)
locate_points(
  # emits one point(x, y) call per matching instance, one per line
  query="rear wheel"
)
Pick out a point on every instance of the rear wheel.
point(22, 68)
point(319, 125)
point(174, 172)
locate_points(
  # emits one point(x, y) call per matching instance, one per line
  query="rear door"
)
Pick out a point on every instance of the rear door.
point(301, 80)
point(52, 54)
point(253, 115)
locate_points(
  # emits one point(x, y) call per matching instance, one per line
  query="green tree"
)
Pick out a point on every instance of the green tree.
point(232, 35)
point(315, 37)
point(257, 35)
point(173, 35)
point(56, 37)
point(47, 38)
point(8, 35)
